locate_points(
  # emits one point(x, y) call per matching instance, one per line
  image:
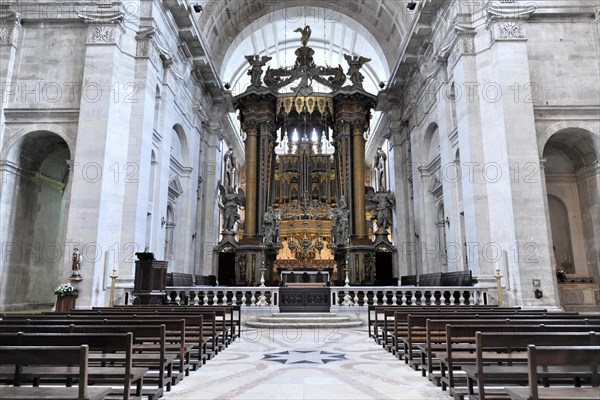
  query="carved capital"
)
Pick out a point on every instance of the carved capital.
point(146, 47)
point(10, 22)
point(462, 45)
point(507, 22)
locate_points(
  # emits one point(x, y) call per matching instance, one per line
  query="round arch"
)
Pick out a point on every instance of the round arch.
point(13, 145)
point(223, 25)
point(584, 128)
point(183, 144)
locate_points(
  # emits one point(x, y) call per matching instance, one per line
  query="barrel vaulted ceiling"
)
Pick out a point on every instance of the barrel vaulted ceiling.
point(382, 23)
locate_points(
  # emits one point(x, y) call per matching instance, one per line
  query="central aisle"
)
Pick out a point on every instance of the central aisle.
point(305, 364)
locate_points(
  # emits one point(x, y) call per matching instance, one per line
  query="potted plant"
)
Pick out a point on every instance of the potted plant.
point(65, 297)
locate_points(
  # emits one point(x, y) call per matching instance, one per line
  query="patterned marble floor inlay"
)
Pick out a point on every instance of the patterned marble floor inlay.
point(299, 364)
point(304, 357)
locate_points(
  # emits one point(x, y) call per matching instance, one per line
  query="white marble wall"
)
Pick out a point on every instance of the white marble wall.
point(93, 82)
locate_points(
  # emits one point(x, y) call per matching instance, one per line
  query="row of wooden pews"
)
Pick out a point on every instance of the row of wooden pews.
point(126, 352)
point(488, 352)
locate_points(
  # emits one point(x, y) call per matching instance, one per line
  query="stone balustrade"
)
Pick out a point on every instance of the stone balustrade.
point(351, 296)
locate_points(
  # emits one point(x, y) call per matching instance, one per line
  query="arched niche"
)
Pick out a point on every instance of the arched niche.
point(572, 184)
point(34, 203)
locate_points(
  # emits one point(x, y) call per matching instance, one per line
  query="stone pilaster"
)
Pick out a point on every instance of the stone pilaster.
point(10, 27)
point(462, 66)
point(511, 151)
point(403, 227)
point(208, 222)
point(101, 154)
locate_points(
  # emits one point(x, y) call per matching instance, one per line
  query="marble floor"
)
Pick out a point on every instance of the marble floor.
point(306, 364)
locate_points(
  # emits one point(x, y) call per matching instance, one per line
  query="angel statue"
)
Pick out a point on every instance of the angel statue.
point(355, 64)
point(385, 202)
point(231, 201)
point(305, 34)
point(256, 63)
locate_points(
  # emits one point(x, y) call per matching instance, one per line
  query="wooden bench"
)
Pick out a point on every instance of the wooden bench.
point(460, 348)
point(383, 316)
point(108, 344)
point(147, 352)
point(404, 332)
point(541, 358)
point(500, 360)
point(206, 330)
point(49, 357)
point(435, 345)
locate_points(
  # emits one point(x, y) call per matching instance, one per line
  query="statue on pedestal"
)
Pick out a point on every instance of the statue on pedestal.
point(385, 202)
point(380, 161)
point(341, 225)
point(355, 64)
point(231, 201)
point(256, 68)
point(270, 226)
point(76, 265)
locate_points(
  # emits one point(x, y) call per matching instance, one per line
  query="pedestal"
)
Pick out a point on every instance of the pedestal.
point(65, 304)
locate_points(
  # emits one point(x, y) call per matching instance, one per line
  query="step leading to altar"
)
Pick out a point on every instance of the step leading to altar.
point(304, 320)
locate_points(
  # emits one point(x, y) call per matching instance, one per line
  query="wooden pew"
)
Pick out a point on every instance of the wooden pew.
point(460, 340)
point(416, 334)
point(160, 363)
point(509, 349)
point(191, 320)
point(435, 345)
point(75, 357)
point(543, 357)
point(126, 375)
point(383, 317)
point(400, 336)
point(203, 328)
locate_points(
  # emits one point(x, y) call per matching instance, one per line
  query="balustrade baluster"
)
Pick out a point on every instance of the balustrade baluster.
point(403, 299)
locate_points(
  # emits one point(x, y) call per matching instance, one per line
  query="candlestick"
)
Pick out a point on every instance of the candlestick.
point(499, 283)
point(113, 278)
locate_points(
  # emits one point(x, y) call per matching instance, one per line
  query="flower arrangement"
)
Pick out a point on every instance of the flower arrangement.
point(66, 290)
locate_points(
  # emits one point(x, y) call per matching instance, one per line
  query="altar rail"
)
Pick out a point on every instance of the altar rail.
point(340, 296)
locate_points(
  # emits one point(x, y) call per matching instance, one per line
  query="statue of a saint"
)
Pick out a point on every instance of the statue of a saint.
point(341, 224)
point(76, 263)
point(380, 161)
point(229, 161)
point(256, 68)
point(270, 226)
point(385, 202)
point(355, 64)
point(231, 201)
